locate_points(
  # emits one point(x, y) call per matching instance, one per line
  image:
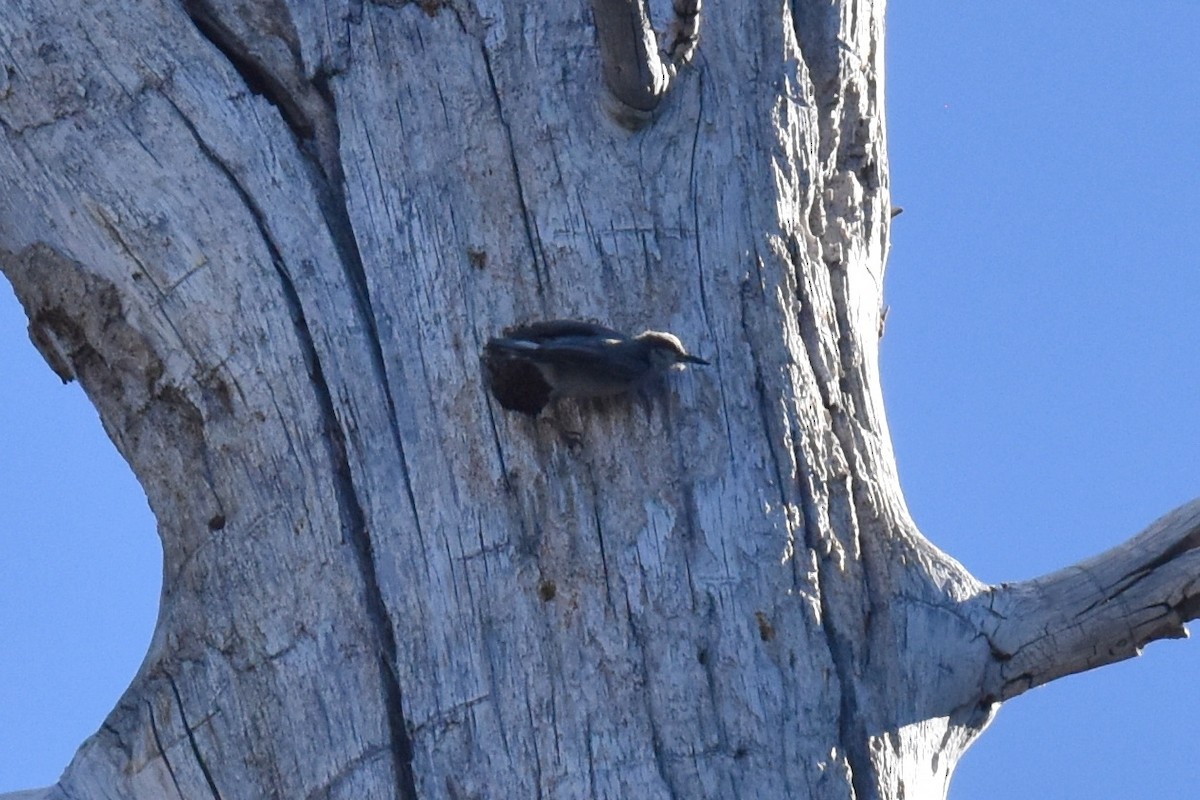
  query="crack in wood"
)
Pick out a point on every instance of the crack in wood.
point(354, 518)
point(191, 738)
point(162, 751)
point(535, 246)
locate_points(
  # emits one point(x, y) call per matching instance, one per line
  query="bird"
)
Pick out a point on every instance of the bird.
point(530, 366)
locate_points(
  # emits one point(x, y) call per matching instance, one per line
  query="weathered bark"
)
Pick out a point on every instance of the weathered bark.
point(1102, 610)
point(270, 239)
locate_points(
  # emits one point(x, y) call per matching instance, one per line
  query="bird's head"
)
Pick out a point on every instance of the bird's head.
point(665, 350)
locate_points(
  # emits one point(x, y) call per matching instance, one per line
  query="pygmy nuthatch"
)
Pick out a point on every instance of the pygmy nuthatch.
point(532, 365)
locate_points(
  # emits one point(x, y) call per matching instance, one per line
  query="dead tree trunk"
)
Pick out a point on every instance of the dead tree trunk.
point(270, 240)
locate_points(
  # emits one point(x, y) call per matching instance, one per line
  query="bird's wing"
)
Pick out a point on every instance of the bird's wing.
point(558, 329)
point(577, 351)
point(584, 356)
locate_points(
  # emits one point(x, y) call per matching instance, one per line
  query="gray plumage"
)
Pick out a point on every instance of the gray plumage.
point(532, 365)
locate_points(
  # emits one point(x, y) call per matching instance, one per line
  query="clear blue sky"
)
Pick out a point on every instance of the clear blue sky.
point(1040, 370)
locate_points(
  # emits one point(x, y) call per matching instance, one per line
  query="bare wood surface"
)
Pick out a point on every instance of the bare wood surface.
point(1099, 611)
point(637, 72)
point(271, 240)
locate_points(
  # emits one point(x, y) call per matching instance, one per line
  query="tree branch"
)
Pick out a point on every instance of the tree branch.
point(637, 75)
point(1099, 611)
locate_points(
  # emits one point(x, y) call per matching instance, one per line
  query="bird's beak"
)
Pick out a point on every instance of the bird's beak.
point(692, 359)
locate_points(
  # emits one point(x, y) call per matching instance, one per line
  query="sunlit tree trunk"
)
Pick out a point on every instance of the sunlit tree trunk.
point(270, 239)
